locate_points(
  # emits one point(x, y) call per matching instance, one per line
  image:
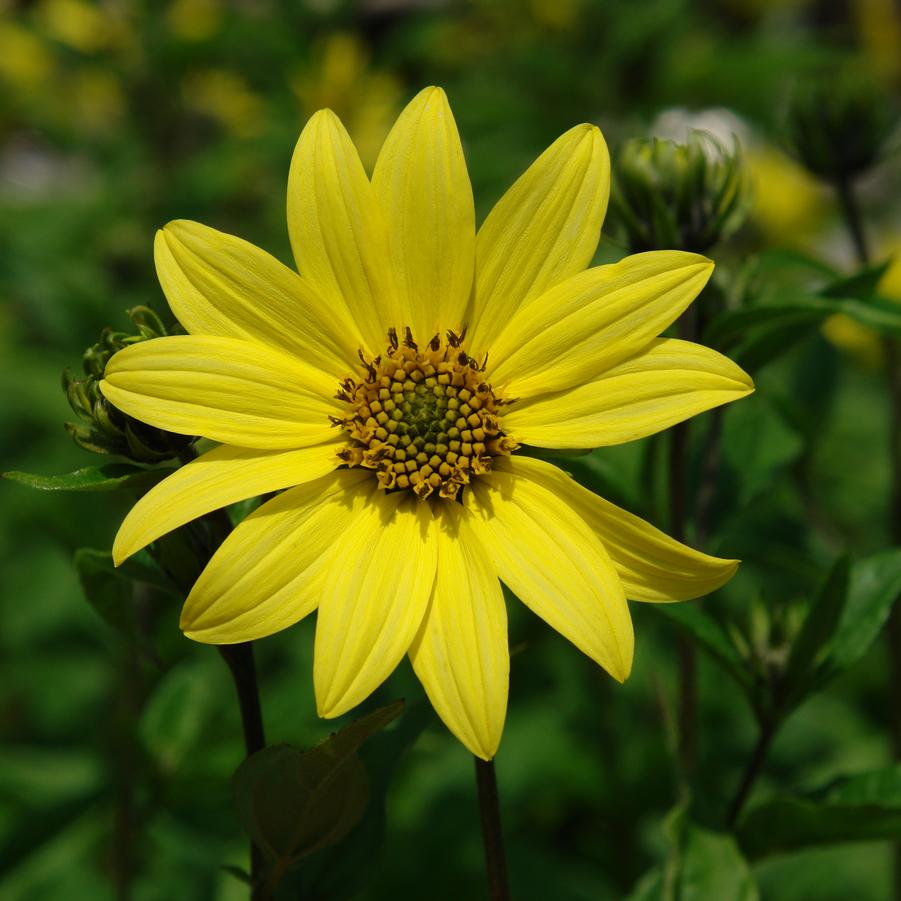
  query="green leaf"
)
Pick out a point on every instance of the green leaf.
point(93, 478)
point(702, 866)
point(111, 591)
point(862, 285)
point(176, 714)
point(341, 873)
point(875, 585)
point(295, 802)
point(712, 638)
point(864, 807)
point(814, 640)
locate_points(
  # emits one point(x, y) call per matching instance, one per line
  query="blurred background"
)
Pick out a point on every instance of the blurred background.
point(117, 116)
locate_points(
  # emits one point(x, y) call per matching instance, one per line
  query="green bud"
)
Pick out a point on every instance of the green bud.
point(669, 196)
point(105, 429)
point(839, 125)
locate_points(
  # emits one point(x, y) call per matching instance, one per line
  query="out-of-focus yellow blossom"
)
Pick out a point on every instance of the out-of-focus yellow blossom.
point(226, 98)
point(555, 13)
point(879, 22)
point(788, 203)
point(86, 27)
point(194, 20)
point(25, 62)
point(341, 79)
point(855, 339)
point(95, 99)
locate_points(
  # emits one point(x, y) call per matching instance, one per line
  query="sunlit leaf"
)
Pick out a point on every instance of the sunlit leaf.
point(93, 478)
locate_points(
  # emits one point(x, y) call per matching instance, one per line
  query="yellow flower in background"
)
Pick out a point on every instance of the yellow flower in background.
point(194, 20)
point(226, 98)
point(25, 61)
point(390, 387)
point(341, 79)
point(788, 202)
point(86, 27)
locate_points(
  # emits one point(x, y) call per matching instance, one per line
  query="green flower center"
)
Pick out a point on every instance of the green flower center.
point(424, 420)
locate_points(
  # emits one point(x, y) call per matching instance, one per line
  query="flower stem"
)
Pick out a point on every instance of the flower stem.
point(678, 516)
point(240, 661)
point(847, 198)
point(752, 771)
point(492, 835)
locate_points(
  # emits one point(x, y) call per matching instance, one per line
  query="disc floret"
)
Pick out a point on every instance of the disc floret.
point(423, 418)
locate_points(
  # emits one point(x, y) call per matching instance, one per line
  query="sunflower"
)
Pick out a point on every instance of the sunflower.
point(388, 392)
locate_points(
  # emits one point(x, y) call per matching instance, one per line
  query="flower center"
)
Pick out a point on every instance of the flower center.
point(423, 419)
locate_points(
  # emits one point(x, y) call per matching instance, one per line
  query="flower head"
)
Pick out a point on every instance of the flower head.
point(389, 386)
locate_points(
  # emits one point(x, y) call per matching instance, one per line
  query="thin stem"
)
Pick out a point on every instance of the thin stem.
point(752, 771)
point(239, 658)
point(678, 516)
point(847, 199)
point(492, 834)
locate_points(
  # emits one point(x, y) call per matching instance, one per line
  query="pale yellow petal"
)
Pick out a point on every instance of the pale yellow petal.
point(652, 566)
point(232, 391)
point(216, 479)
point(594, 320)
point(268, 573)
point(217, 284)
point(374, 599)
point(667, 383)
point(549, 557)
point(460, 654)
point(337, 229)
point(543, 230)
point(423, 187)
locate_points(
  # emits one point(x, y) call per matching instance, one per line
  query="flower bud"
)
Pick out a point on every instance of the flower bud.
point(105, 429)
point(838, 126)
point(671, 196)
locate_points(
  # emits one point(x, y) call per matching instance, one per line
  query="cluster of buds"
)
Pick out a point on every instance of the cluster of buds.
point(678, 196)
point(105, 429)
point(838, 127)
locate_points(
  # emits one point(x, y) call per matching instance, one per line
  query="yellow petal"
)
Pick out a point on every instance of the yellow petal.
point(652, 566)
point(423, 187)
point(668, 382)
point(594, 320)
point(216, 479)
point(543, 230)
point(374, 599)
point(226, 389)
point(268, 573)
point(337, 229)
point(217, 284)
point(553, 562)
point(460, 654)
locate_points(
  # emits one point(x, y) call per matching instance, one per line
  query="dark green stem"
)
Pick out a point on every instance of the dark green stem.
point(752, 770)
point(239, 658)
point(678, 516)
point(492, 835)
point(851, 213)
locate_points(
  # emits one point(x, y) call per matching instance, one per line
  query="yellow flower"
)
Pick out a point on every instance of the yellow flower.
point(388, 388)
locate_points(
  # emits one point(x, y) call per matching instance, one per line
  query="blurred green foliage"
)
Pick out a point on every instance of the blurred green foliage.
point(119, 738)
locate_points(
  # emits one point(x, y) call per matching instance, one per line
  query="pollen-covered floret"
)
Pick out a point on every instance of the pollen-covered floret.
point(423, 419)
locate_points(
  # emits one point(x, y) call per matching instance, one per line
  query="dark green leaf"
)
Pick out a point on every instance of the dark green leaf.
point(93, 478)
point(814, 640)
point(295, 802)
point(175, 714)
point(862, 285)
point(865, 807)
point(874, 587)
